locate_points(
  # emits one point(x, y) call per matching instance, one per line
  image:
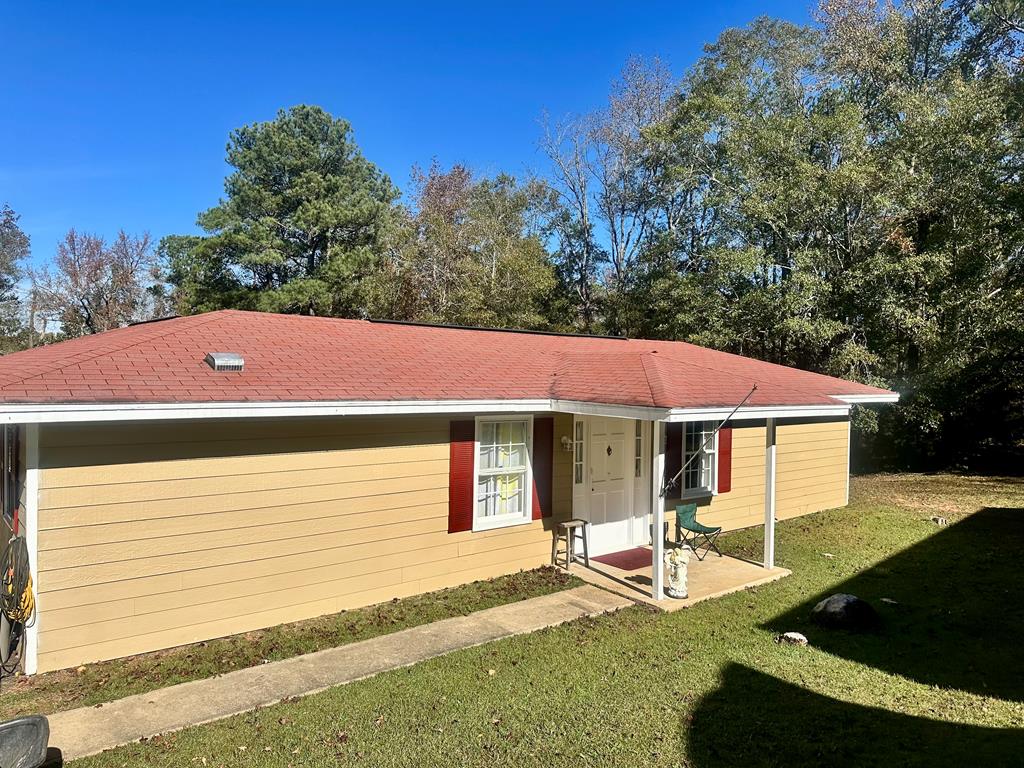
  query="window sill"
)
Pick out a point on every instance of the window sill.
point(485, 524)
point(698, 493)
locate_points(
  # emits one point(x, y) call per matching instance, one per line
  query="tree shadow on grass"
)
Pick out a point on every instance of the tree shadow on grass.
point(753, 719)
point(958, 620)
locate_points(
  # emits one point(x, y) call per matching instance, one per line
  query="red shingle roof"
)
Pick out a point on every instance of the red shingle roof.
point(298, 358)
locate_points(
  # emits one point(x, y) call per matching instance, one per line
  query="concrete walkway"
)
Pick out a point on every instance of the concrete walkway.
point(85, 731)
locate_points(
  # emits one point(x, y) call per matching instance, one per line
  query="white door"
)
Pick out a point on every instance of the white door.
point(641, 473)
point(609, 443)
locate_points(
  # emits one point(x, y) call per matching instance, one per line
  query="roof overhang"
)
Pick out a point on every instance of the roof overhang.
point(86, 412)
point(55, 413)
point(758, 412)
point(881, 397)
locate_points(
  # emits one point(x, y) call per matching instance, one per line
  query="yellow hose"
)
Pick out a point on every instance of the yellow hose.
point(17, 601)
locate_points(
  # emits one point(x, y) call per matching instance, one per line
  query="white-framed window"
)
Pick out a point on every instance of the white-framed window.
point(577, 452)
point(638, 450)
point(701, 475)
point(504, 472)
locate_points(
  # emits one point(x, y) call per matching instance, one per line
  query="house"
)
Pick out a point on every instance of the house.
point(201, 476)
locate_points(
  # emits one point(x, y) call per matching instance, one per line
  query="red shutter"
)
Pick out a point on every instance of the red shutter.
point(460, 476)
point(543, 450)
point(725, 459)
point(673, 457)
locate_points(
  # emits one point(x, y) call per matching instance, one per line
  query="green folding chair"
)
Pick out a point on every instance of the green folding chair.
point(694, 534)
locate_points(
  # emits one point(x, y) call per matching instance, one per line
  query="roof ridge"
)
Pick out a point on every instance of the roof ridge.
point(106, 351)
point(647, 374)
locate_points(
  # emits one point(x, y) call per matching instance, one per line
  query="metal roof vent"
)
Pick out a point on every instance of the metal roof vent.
point(225, 361)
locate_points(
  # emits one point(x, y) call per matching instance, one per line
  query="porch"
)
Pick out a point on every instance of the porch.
point(628, 476)
point(709, 578)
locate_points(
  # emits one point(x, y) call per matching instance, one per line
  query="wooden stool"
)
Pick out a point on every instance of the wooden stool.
point(568, 531)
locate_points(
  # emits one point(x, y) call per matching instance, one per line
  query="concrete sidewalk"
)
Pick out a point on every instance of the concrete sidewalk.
point(85, 731)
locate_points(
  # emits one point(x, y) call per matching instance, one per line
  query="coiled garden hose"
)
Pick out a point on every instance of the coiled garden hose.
point(17, 603)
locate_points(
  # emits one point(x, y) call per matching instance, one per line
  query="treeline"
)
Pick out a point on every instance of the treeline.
point(844, 197)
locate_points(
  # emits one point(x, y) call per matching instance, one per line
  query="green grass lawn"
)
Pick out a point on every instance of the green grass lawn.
point(97, 683)
point(941, 684)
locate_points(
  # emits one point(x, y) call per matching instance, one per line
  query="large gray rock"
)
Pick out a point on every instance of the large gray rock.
point(844, 611)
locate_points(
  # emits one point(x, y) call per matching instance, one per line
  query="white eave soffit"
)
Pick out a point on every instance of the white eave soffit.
point(102, 412)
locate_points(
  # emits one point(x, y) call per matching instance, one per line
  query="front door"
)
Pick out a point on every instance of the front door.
point(608, 503)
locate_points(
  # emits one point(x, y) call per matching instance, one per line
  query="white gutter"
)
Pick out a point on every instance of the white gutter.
point(36, 413)
point(46, 414)
point(584, 408)
point(757, 412)
point(892, 397)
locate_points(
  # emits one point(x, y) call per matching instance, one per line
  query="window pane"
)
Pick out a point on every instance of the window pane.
point(502, 495)
point(578, 474)
point(510, 494)
point(486, 456)
point(503, 444)
point(486, 498)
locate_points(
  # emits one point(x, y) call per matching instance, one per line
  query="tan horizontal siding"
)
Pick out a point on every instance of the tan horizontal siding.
point(810, 475)
point(391, 489)
point(167, 533)
point(742, 506)
point(812, 467)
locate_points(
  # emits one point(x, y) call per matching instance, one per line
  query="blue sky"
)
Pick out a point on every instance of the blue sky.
point(115, 115)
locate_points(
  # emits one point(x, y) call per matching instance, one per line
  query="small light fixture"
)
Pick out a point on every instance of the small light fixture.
point(566, 443)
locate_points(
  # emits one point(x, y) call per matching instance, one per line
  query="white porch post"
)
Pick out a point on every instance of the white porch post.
point(769, 495)
point(657, 510)
point(30, 525)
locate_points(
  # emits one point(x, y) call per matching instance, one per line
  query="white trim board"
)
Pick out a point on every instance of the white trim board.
point(892, 397)
point(33, 413)
point(31, 527)
point(757, 412)
point(44, 414)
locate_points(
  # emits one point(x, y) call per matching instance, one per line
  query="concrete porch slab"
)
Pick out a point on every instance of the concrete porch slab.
point(709, 578)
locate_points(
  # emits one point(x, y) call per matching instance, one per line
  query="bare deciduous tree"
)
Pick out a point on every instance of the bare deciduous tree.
point(607, 171)
point(94, 286)
point(568, 147)
point(626, 167)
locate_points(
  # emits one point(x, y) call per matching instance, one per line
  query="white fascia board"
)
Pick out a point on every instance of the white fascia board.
point(29, 413)
point(758, 412)
point(891, 397)
point(102, 412)
point(583, 408)
point(43, 414)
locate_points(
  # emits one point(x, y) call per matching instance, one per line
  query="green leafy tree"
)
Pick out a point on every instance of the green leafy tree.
point(301, 225)
point(471, 253)
point(850, 203)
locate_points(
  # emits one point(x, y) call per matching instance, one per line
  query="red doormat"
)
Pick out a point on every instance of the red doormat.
point(627, 560)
